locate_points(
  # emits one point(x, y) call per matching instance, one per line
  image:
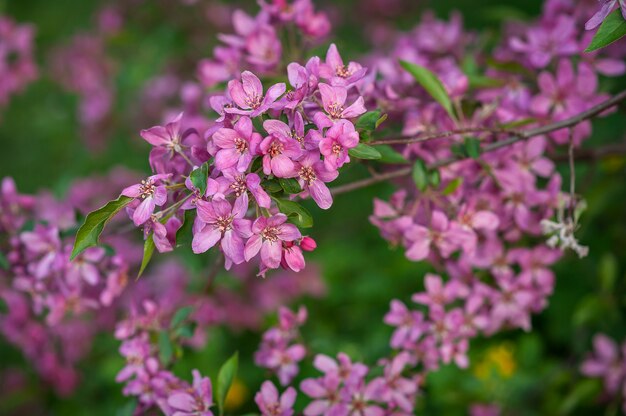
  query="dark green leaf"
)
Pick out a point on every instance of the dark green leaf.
point(272, 186)
point(199, 177)
point(184, 235)
point(420, 175)
point(257, 164)
point(166, 349)
point(257, 123)
point(431, 84)
point(186, 331)
point(368, 120)
point(389, 155)
point(363, 151)
point(585, 391)
point(148, 250)
point(612, 29)
point(472, 147)
point(452, 186)
point(180, 316)
point(225, 379)
point(4, 263)
point(296, 212)
point(290, 185)
point(608, 270)
point(89, 233)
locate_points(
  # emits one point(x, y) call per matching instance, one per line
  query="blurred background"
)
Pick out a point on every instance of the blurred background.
point(110, 68)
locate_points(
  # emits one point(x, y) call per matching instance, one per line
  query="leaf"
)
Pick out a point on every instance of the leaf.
point(148, 250)
point(199, 177)
point(612, 29)
point(608, 270)
point(389, 155)
point(89, 233)
point(166, 349)
point(184, 234)
point(180, 316)
point(128, 409)
point(381, 120)
point(4, 263)
point(434, 178)
point(452, 186)
point(272, 186)
point(290, 185)
point(299, 215)
point(420, 175)
point(431, 84)
point(368, 120)
point(225, 379)
point(363, 151)
point(519, 123)
point(186, 331)
point(472, 147)
point(584, 392)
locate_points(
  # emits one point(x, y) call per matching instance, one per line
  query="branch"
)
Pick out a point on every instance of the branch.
point(520, 136)
point(442, 135)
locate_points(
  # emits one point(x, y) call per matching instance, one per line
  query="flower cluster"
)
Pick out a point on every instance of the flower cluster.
point(609, 363)
point(266, 147)
point(256, 42)
point(280, 350)
point(17, 64)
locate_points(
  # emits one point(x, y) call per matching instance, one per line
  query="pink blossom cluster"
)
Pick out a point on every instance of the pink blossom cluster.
point(280, 349)
point(147, 377)
point(264, 142)
point(608, 361)
point(48, 297)
point(256, 43)
point(17, 63)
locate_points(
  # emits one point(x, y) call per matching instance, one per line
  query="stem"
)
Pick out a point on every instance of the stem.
point(518, 136)
point(572, 174)
point(442, 135)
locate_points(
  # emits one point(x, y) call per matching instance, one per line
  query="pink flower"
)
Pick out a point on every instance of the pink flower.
point(280, 149)
point(409, 324)
point(545, 42)
point(334, 100)
point(152, 193)
point(312, 175)
point(248, 95)
point(222, 222)
point(606, 362)
point(334, 70)
point(196, 401)
point(239, 184)
point(340, 138)
point(267, 237)
point(606, 8)
point(446, 236)
point(237, 146)
point(438, 294)
point(271, 404)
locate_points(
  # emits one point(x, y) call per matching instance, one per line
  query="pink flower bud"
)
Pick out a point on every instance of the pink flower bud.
point(308, 244)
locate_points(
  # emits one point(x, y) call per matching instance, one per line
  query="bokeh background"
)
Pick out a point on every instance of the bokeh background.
point(43, 144)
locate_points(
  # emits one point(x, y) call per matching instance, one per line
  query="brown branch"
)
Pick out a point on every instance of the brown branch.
point(520, 136)
point(441, 135)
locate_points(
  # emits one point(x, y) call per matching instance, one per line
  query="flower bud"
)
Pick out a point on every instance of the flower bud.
point(308, 244)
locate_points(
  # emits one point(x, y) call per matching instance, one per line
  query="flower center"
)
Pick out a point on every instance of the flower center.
point(253, 101)
point(335, 110)
point(276, 148)
point(343, 71)
point(146, 188)
point(290, 95)
point(224, 223)
point(241, 145)
point(307, 174)
point(337, 149)
point(270, 233)
point(239, 185)
point(297, 138)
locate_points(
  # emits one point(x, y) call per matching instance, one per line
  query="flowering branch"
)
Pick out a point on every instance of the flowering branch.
point(520, 136)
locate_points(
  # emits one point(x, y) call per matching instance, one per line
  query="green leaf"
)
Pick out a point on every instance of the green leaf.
point(148, 250)
point(519, 123)
point(368, 120)
point(612, 29)
point(186, 331)
point(434, 178)
point(431, 84)
point(4, 263)
point(453, 185)
point(298, 214)
point(585, 391)
point(420, 175)
point(128, 409)
point(89, 233)
point(472, 147)
point(199, 177)
point(225, 379)
point(272, 186)
point(389, 155)
point(166, 349)
point(290, 185)
point(257, 123)
point(180, 316)
point(608, 270)
point(381, 120)
point(363, 151)
point(184, 234)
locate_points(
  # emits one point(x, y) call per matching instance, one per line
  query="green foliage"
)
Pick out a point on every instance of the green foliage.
point(612, 29)
point(225, 379)
point(363, 151)
point(200, 176)
point(431, 84)
point(299, 215)
point(148, 250)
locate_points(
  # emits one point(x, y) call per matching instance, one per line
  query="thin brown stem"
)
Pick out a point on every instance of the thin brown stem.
point(519, 136)
point(441, 135)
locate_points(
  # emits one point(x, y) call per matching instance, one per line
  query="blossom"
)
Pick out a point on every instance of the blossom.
point(312, 175)
point(249, 97)
point(279, 149)
point(236, 146)
point(334, 70)
point(151, 192)
point(193, 402)
point(333, 100)
point(271, 404)
point(267, 237)
point(606, 362)
point(338, 139)
point(221, 221)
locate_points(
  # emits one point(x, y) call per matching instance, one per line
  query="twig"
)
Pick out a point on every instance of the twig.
point(520, 136)
point(441, 135)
